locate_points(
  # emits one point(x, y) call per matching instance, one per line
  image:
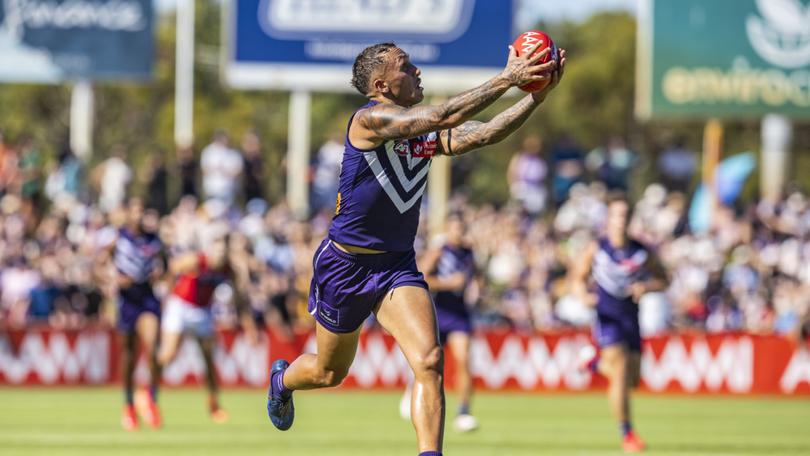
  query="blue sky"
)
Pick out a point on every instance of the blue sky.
point(531, 10)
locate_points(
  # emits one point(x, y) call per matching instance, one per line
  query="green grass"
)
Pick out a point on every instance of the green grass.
point(85, 422)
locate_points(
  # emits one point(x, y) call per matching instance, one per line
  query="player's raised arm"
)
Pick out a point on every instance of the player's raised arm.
point(392, 80)
point(474, 134)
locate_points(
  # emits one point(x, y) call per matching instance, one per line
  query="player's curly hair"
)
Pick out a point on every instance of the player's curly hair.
point(366, 62)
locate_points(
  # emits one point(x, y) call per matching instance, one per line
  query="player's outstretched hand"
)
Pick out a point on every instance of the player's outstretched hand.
point(526, 68)
point(556, 77)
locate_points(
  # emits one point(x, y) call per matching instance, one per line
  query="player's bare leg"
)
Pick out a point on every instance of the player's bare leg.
point(613, 365)
point(633, 370)
point(148, 329)
point(325, 369)
point(169, 345)
point(622, 371)
point(207, 343)
point(129, 344)
point(408, 314)
point(329, 367)
point(459, 344)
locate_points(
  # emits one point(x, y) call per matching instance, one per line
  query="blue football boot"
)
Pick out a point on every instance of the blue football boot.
point(280, 407)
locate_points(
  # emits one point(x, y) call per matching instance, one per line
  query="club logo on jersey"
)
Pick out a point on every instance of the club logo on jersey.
point(401, 148)
point(416, 148)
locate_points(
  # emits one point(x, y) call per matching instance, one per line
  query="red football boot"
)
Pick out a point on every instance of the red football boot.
point(129, 418)
point(155, 420)
point(633, 443)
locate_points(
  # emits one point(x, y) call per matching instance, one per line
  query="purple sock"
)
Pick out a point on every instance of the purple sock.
point(278, 384)
point(430, 453)
point(627, 428)
point(593, 365)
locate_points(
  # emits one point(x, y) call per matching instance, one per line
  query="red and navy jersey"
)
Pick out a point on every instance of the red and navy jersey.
point(380, 193)
point(198, 287)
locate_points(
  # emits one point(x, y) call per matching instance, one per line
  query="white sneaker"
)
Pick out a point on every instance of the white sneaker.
point(465, 423)
point(405, 405)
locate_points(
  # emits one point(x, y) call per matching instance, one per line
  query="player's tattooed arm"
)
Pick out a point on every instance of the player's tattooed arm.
point(473, 134)
point(385, 122)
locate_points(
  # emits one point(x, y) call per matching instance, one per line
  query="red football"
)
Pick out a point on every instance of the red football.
point(524, 43)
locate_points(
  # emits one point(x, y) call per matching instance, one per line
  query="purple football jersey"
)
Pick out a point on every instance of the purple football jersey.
point(380, 193)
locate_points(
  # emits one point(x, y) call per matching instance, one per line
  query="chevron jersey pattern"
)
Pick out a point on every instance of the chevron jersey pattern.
point(380, 193)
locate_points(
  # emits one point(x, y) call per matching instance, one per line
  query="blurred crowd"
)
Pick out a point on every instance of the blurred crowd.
point(58, 223)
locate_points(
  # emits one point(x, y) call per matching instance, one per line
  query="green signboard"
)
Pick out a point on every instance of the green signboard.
point(723, 58)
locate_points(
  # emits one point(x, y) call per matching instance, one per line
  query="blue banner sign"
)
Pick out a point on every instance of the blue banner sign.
point(49, 41)
point(311, 44)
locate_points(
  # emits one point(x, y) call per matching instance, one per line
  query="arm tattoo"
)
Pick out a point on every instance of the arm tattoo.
point(473, 134)
point(388, 122)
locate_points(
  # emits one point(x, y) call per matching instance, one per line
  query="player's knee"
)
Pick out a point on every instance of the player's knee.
point(430, 362)
point(615, 365)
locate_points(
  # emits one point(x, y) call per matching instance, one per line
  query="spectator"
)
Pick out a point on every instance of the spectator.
point(114, 176)
point(157, 183)
point(254, 167)
point(9, 167)
point(676, 166)
point(43, 296)
point(612, 164)
point(526, 176)
point(64, 184)
point(221, 168)
point(31, 169)
point(17, 281)
point(189, 167)
point(327, 175)
point(568, 166)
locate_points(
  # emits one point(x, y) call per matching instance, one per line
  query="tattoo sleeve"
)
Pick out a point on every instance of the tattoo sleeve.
point(386, 122)
point(473, 134)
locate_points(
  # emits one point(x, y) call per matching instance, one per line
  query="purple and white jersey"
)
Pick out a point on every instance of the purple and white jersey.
point(452, 261)
point(614, 270)
point(380, 193)
point(136, 256)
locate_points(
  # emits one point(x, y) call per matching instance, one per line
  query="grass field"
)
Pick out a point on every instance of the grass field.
point(85, 422)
